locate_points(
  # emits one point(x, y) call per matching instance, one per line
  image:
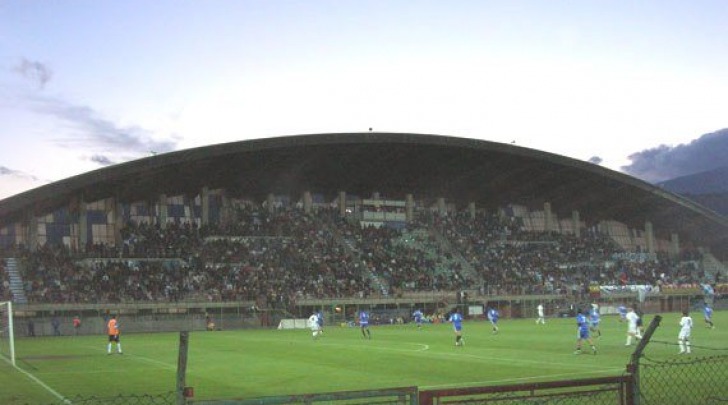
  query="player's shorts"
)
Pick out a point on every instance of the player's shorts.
point(114, 338)
point(595, 324)
point(583, 333)
point(364, 324)
point(683, 335)
point(632, 329)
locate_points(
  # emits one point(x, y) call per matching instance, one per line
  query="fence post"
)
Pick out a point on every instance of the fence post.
point(184, 337)
point(633, 366)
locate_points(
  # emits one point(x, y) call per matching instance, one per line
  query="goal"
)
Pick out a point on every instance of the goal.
point(7, 335)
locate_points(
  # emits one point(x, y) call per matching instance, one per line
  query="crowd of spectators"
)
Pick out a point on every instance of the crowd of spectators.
point(5, 294)
point(283, 255)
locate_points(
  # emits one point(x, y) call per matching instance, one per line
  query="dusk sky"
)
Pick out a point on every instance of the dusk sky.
point(636, 86)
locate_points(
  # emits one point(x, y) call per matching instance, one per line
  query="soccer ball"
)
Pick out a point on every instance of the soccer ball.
point(337, 309)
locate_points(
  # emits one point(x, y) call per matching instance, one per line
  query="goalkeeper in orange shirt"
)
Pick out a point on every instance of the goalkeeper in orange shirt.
point(113, 328)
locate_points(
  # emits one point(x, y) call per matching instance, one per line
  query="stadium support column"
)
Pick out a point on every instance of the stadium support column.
point(82, 224)
point(409, 207)
point(270, 201)
point(342, 204)
point(471, 209)
point(576, 223)
point(163, 211)
point(441, 207)
point(205, 201)
point(307, 202)
point(32, 226)
point(674, 245)
point(118, 222)
point(548, 220)
point(649, 237)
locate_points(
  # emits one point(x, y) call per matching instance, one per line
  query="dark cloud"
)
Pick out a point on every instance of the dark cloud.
point(667, 162)
point(595, 160)
point(15, 181)
point(102, 160)
point(4, 171)
point(90, 131)
point(36, 71)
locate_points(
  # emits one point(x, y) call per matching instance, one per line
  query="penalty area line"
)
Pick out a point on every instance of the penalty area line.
point(142, 359)
point(41, 383)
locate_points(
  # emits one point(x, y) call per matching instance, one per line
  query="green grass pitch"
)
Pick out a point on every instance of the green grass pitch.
point(253, 363)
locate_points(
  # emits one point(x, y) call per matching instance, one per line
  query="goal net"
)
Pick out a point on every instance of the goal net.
point(7, 337)
point(293, 324)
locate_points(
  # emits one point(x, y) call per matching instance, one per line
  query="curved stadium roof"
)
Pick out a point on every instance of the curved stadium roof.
point(428, 166)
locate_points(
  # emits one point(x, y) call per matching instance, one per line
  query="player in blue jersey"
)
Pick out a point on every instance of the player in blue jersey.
point(582, 325)
point(457, 324)
point(708, 314)
point(320, 321)
point(493, 316)
point(622, 310)
point(418, 315)
point(364, 324)
point(594, 319)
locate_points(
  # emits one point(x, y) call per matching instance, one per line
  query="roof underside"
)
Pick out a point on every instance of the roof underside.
point(461, 170)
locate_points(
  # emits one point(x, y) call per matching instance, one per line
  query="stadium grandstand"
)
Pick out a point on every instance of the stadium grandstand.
point(261, 230)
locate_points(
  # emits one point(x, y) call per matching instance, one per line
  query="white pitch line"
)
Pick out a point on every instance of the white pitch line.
point(39, 382)
point(142, 358)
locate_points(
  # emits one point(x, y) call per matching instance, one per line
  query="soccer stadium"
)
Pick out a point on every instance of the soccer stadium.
point(328, 268)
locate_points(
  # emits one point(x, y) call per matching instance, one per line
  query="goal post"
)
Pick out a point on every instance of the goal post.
point(7, 333)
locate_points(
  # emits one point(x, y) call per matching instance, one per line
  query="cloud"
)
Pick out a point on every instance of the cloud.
point(35, 71)
point(102, 160)
point(88, 130)
point(595, 160)
point(15, 181)
point(4, 171)
point(667, 162)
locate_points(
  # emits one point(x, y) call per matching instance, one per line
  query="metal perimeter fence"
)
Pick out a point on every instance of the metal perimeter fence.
point(699, 377)
point(168, 398)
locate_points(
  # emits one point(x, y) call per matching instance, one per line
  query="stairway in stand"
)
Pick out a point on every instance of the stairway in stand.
point(16, 281)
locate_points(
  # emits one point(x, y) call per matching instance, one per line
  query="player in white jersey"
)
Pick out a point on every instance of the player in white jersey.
point(313, 323)
point(683, 338)
point(632, 329)
point(541, 319)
